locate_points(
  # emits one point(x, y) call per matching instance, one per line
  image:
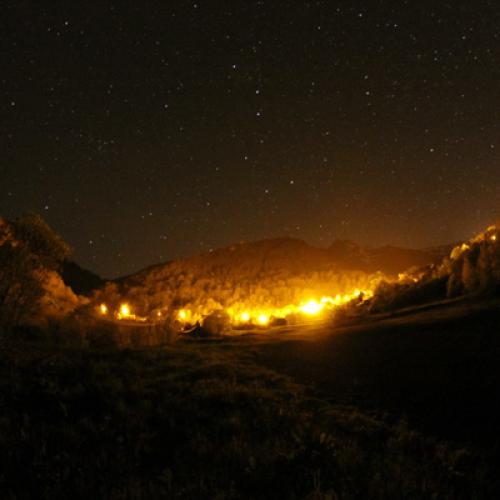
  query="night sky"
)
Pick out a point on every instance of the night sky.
point(143, 131)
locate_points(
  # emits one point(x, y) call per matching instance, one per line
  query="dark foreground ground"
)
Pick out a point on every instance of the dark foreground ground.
point(437, 366)
point(404, 406)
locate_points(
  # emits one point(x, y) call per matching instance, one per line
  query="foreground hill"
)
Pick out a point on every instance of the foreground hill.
point(266, 274)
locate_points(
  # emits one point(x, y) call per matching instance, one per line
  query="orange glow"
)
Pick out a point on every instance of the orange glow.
point(125, 313)
point(241, 313)
point(125, 310)
point(459, 250)
point(263, 319)
point(312, 307)
point(295, 301)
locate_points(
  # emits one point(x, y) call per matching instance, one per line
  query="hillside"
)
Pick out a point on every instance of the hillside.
point(269, 275)
point(472, 268)
point(80, 280)
point(296, 256)
point(389, 260)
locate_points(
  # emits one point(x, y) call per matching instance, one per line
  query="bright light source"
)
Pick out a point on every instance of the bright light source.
point(494, 237)
point(263, 319)
point(312, 307)
point(242, 313)
point(124, 310)
point(245, 317)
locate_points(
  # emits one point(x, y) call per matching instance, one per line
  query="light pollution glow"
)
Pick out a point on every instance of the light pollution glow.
point(245, 314)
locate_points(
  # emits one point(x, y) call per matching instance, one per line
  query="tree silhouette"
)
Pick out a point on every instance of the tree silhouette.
point(31, 252)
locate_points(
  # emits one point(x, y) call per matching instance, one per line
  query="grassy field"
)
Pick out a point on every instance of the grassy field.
point(402, 407)
point(437, 366)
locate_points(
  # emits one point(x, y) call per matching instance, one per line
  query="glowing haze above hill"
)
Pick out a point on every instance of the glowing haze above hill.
point(145, 132)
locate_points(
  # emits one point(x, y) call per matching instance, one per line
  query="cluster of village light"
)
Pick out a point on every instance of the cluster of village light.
point(242, 314)
point(263, 316)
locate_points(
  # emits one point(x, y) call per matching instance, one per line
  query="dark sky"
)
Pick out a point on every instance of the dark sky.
point(143, 131)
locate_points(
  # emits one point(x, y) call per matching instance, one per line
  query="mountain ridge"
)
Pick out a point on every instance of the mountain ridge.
point(343, 254)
